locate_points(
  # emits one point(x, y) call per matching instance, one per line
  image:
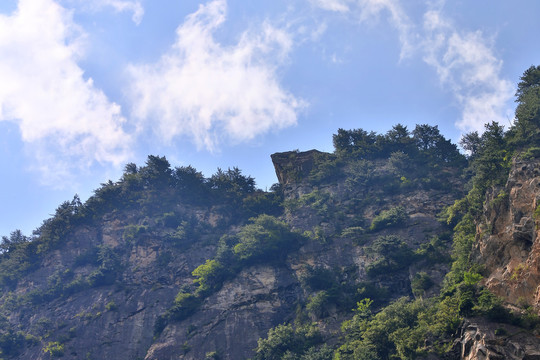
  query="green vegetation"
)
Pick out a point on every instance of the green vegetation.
point(389, 218)
point(392, 253)
point(420, 283)
point(11, 342)
point(209, 275)
point(288, 342)
point(153, 190)
point(264, 238)
point(133, 233)
point(54, 349)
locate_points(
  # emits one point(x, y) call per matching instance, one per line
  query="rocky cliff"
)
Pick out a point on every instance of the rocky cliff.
point(165, 264)
point(508, 242)
point(479, 339)
point(100, 291)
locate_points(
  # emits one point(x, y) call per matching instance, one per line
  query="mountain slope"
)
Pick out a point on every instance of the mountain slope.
point(394, 246)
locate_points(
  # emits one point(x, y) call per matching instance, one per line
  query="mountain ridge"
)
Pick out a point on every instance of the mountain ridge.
point(395, 245)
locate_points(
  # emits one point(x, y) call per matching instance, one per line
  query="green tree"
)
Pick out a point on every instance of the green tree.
point(432, 143)
point(529, 80)
point(395, 216)
point(15, 239)
point(157, 173)
point(525, 131)
point(265, 236)
point(209, 275)
point(286, 342)
point(471, 142)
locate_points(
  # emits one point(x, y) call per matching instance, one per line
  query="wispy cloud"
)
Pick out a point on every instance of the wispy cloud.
point(332, 5)
point(464, 61)
point(372, 9)
point(211, 92)
point(133, 6)
point(63, 118)
point(368, 11)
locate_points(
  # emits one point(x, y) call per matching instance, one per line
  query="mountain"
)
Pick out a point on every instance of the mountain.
point(395, 245)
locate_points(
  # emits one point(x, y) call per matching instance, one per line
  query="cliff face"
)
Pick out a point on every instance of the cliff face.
point(230, 322)
point(335, 218)
point(114, 320)
point(508, 242)
point(480, 339)
point(368, 229)
point(101, 292)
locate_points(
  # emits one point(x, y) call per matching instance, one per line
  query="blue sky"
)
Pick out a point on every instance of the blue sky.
point(87, 86)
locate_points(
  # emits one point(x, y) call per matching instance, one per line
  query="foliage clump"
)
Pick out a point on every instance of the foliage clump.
point(393, 217)
point(287, 342)
point(393, 255)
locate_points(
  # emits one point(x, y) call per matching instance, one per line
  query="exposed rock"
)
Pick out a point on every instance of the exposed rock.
point(293, 166)
point(508, 242)
point(231, 321)
point(480, 339)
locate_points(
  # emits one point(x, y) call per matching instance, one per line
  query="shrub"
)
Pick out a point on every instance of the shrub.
point(170, 220)
point(263, 203)
point(356, 233)
point(389, 218)
point(109, 265)
point(54, 349)
point(531, 153)
point(133, 233)
point(537, 213)
point(326, 168)
point(11, 342)
point(212, 355)
point(323, 352)
point(264, 237)
point(184, 305)
point(111, 306)
point(317, 278)
point(284, 342)
point(360, 174)
point(317, 305)
point(209, 275)
point(420, 283)
point(394, 254)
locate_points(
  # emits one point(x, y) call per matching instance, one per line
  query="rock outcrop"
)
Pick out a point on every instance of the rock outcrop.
point(480, 339)
point(293, 166)
point(508, 241)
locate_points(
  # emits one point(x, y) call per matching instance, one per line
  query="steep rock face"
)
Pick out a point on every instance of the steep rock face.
point(153, 260)
point(508, 238)
point(114, 320)
point(231, 321)
point(292, 166)
point(480, 339)
point(338, 214)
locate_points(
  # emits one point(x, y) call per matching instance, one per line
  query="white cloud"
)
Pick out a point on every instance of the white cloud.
point(366, 11)
point(133, 6)
point(332, 5)
point(63, 118)
point(464, 61)
point(213, 92)
point(371, 9)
